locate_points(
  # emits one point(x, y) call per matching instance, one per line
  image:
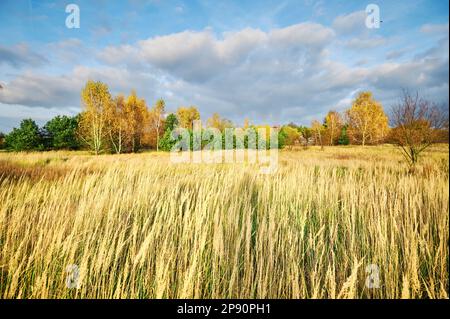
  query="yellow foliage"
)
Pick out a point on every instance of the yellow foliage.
point(367, 122)
point(187, 115)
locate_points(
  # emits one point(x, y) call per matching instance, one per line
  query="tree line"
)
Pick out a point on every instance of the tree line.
point(123, 124)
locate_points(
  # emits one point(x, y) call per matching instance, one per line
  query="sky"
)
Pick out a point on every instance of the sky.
point(272, 62)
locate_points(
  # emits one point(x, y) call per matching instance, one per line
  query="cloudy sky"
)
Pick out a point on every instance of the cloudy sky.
point(271, 61)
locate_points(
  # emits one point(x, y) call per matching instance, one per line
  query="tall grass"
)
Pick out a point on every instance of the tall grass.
point(140, 227)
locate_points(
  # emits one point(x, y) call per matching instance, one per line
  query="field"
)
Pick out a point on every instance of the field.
point(137, 226)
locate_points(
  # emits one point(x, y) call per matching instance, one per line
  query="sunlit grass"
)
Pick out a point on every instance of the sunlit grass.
point(138, 226)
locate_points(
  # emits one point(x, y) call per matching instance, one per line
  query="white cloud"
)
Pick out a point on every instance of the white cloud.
point(350, 23)
point(63, 91)
point(365, 43)
point(281, 75)
point(199, 56)
point(302, 35)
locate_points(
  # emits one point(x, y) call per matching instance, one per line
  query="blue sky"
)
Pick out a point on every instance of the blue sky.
point(271, 61)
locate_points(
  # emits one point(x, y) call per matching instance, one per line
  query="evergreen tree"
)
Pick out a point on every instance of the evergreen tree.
point(61, 132)
point(27, 137)
point(343, 138)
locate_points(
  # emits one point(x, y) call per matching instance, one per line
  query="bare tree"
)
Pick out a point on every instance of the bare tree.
point(417, 123)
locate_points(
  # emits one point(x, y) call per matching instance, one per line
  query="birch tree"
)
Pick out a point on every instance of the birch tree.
point(156, 119)
point(92, 128)
point(367, 122)
point(333, 124)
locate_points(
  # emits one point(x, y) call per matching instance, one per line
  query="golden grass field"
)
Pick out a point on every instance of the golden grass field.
point(138, 226)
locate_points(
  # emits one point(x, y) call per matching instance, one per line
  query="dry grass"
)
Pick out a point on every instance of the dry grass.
point(140, 227)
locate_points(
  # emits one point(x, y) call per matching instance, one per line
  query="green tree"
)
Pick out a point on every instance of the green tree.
point(167, 141)
point(292, 135)
point(2, 140)
point(343, 138)
point(282, 138)
point(61, 132)
point(171, 122)
point(25, 138)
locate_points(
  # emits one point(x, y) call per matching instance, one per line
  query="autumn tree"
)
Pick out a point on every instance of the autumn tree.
point(417, 124)
point(292, 135)
point(218, 122)
point(136, 116)
point(117, 123)
point(367, 122)
point(333, 124)
point(96, 100)
point(318, 130)
point(187, 115)
point(246, 124)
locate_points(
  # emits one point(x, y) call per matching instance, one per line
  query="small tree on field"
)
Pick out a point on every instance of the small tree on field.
point(417, 124)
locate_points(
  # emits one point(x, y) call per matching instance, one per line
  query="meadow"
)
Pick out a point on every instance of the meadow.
point(138, 226)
